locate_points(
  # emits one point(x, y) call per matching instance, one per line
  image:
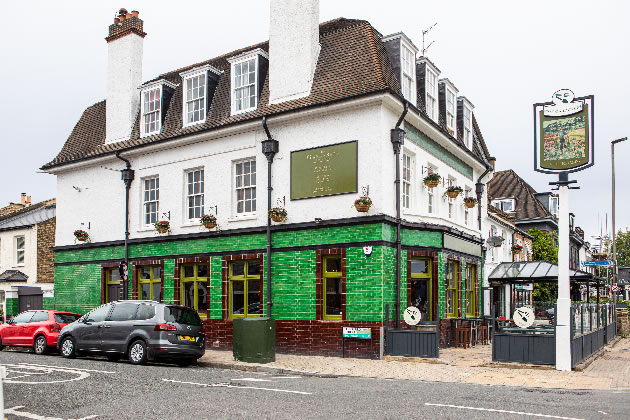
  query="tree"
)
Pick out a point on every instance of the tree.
point(543, 249)
point(622, 240)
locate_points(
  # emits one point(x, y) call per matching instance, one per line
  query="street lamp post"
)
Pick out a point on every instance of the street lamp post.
point(614, 244)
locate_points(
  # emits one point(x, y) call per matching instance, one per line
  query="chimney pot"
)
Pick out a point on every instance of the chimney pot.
point(135, 13)
point(128, 15)
point(123, 17)
point(23, 198)
point(28, 200)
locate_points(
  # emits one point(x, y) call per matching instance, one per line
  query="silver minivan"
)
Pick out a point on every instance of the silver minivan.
point(138, 330)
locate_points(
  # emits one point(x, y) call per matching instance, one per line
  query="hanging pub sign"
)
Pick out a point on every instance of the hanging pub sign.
point(564, 133)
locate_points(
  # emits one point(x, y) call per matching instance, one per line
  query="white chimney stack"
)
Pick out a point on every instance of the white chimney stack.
point(124, 74)
point(293, 48)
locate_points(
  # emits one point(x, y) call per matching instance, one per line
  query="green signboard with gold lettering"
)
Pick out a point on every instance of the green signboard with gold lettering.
point(326, 170)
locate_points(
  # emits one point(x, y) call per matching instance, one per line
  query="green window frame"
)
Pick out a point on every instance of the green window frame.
point(452, 290)
point(150, 278)
point(469, 287)
point(194, 287)
point(331, 288)
point(112, 278)
point(245, 289)
point(428, 277)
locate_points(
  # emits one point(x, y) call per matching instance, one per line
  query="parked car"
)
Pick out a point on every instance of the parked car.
point(138, 330)
point(37, 329)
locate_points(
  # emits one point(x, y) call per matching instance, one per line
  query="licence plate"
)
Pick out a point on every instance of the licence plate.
point(187, 338)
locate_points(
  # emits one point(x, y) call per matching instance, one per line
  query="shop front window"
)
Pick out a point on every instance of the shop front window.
point(470, 290)
point(194, 287)
point(245, 289)
point(420, 285)
point(150, 282)
point(112, 285)
point(452, 289)
point(332, 288)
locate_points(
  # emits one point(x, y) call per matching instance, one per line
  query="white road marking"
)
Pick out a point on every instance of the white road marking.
point(503, 411)
point(65, 368)
point(286, 377)
point(14, 411)
point(604, 413)
point(227, 385)
point(46, 369)
point(252, 380)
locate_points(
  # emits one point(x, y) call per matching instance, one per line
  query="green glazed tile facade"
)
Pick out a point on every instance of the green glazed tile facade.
point(12, 306)
point(441, 285)
point(77, 287)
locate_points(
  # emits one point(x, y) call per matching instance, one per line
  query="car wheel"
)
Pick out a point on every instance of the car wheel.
point(114, 357)
point(40, 346)
point(68, 349)
point(184, 362)
point(138, 352)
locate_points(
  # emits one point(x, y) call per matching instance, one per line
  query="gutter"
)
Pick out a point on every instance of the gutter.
point(397, 135)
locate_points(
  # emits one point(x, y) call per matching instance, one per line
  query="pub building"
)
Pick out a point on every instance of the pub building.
point(352, 139)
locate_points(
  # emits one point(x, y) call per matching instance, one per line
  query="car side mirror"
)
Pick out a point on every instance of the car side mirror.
point(10, 321)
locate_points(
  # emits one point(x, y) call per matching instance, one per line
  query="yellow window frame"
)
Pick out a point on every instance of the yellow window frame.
point(329, 275)
point(151, 280)
point(470, 275)
point(246, 278)
point(453, 269)
point(429, 276)
point(109, 281)
point(195, 279)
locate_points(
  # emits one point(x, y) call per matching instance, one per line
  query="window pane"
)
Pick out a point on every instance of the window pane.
point(189, 271)
point(157, 272)
point(253, 268)
point(23, 317)
point(238, 269)
point(202, 296)
point(145, 273)
point(113, 292)
point(145, 291)
point(157, 292)
point(238, 297)
point(202, 270)
point(145, 312)
point(124, 312)
point(189, 294)
point(333, 265)
point(419, 267)
point(253, 297)
point(99, 314)
point(39, 316)
point(333, 296)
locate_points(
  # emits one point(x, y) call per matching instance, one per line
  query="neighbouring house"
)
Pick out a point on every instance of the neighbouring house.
point(331, 122)
point(27, 235)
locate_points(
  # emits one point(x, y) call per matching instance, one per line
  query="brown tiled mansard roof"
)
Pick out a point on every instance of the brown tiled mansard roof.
point(352, 62)
point(508, 184)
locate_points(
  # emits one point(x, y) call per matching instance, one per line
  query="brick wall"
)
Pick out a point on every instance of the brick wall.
point(45, 254)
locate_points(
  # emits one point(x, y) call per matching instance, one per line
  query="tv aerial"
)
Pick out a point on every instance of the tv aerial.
point(424, 32)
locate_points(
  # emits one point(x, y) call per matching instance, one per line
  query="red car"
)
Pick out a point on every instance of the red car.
point(37, 329)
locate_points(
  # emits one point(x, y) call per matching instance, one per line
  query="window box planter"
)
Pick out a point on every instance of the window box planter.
point(163, 226)
point(208, 221)
point(453, 191)
point(363, 204)
point(81, 235)
point(278, 214)
point(432, 180)
point(470, 202)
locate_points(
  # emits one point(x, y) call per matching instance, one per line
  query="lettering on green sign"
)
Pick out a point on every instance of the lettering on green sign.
point(322, 171)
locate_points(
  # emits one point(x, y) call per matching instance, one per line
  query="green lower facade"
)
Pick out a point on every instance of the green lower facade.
point(84, 279)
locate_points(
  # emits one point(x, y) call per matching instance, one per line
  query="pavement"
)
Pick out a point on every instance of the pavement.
point(607, 370)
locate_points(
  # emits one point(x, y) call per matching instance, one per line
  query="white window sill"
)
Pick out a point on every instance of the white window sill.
point(146, 228)
point(242, 218)
point(143, 135)
point(243, 111)
point(192, 223)
point(193, 123)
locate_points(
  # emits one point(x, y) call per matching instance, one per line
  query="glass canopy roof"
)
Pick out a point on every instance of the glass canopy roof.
point(534, 271)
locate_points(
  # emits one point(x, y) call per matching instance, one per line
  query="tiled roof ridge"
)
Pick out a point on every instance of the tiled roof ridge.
point(26, 210)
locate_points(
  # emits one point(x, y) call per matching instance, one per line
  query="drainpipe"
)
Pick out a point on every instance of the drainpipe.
point(479, 191)
point(269, 149)
point(398, 139)
point(127, 176)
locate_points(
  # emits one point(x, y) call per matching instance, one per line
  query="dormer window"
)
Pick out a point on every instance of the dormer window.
point(402, 54)
point(507, 205)
point(432, 94)
point(450, 110)
point(553, 205)
point(408, 74)
point(154, 97)
point(245, 83)
point(465, 118)
point(195, 94)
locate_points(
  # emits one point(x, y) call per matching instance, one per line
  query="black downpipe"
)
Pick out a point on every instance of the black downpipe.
point(127, 176)
point(479, 191)
point(398, 139)
point(269, 149)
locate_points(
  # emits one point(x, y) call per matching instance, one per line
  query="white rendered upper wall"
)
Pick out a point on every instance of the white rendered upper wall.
point(293, 48)
point(124, 75)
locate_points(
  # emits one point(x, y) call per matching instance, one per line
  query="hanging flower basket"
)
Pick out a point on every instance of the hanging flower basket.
point(208, 221)
point(432, 180)
point(516, 249)
point(162, 226)
point(470, 202)
point(363, 204)
point(453, 191)
point(278, 214)
point(81, 235)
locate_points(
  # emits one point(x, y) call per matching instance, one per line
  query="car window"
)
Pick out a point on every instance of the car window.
point(39, 316)
point(66, 318)
point(23, 317)
point(145, 312)
point(98, 314)
point(181, 315)
point(124, 312)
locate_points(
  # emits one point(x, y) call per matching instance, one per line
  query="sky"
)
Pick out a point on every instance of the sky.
point(503, 56)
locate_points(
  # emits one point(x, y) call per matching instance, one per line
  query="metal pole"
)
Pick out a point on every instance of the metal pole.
point(269, 148)
point(612, 158)
point(563, 309)
point(398, 138)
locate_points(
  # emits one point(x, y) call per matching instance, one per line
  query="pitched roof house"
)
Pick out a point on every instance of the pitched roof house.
point(311, 118)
